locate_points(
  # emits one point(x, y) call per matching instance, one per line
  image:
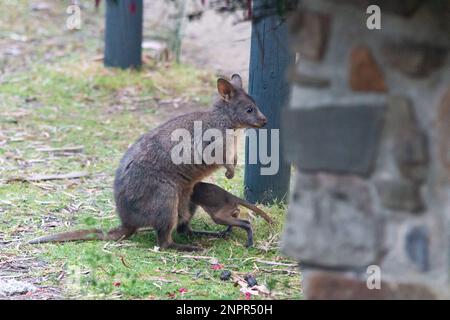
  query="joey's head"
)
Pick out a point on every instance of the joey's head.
point(238, 105)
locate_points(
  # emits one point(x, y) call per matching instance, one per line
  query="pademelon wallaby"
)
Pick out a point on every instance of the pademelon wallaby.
point(150, 190)
point(223, 208)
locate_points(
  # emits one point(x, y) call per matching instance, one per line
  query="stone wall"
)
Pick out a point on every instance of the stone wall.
point(368, 130)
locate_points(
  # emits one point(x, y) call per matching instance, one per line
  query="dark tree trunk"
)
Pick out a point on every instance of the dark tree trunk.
point(270, 58)
point(123, 34)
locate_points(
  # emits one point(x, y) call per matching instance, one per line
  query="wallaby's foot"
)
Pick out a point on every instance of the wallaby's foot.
point(187, 230)
point(213, 234)
point(183, 247)
point(244, 224)
point(165, 242)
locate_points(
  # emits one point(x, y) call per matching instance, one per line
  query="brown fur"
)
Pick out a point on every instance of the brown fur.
point(223, 207)
point(150, 190)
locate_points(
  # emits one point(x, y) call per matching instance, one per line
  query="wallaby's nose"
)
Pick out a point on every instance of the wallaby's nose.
point(263, 121)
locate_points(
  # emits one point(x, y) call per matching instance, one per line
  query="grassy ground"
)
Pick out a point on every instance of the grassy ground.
point(53, 93)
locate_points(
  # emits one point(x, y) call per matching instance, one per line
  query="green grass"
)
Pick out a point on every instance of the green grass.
point(74, 101)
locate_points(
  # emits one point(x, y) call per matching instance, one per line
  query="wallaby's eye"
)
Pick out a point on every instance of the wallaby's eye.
point(249, 110)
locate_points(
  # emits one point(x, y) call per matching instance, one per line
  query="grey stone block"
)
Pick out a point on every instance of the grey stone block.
point(400, 195)
point(327, 226)
point(309, 33)
point(304, 80)
point(404, 8)
point(411, 155)
point(414, 59)
point(400, 116)
point(405, 140)
point(332, 139)
point(443, 126)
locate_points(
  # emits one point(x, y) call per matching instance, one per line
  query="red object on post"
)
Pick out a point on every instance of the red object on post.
point(132, 7)
point(123, 33)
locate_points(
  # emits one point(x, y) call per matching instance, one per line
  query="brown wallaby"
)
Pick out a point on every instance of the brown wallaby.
point(151, 190)
point(223, 207)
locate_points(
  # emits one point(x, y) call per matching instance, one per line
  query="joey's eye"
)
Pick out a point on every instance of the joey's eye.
point(249, 110)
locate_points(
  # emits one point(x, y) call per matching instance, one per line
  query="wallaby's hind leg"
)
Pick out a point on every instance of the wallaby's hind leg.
point(185, 226)
point(224, 217)
point(167, 226)
point(184, 219)
point(246, 225)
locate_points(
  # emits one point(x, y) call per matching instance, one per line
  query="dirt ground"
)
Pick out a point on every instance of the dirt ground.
point(218, 42)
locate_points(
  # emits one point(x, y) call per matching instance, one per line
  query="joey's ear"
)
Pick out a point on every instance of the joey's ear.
point(236, 80)
point(225, 89)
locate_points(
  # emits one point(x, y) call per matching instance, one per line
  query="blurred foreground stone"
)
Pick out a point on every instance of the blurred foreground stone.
point(368, 130)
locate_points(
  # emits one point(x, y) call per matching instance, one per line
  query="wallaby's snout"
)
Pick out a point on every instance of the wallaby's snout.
point(262, 120)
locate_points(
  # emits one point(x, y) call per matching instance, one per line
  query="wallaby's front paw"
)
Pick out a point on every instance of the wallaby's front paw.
point(229, 174)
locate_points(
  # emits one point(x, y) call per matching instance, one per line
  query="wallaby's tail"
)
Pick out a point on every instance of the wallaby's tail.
point(257, 210)
point(83, 235)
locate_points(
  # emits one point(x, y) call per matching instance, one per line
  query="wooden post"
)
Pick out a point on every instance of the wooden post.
point(270, 58)
point(123, 33)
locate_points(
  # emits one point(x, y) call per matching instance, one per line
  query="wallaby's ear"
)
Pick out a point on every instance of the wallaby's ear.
point(225, 89)
point(236, 80)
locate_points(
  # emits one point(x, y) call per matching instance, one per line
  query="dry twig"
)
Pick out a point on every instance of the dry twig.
point(45, 177)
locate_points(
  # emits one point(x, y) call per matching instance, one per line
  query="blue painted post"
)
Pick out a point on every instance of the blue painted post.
point(123, 33)
point(270, 58)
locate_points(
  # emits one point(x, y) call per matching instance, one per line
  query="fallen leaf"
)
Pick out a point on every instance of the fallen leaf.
point(217, 266)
